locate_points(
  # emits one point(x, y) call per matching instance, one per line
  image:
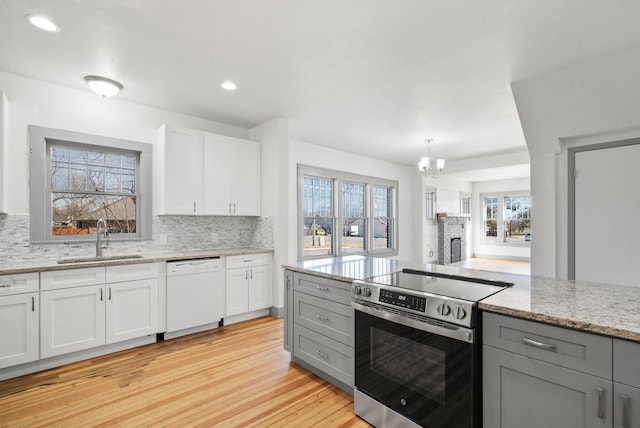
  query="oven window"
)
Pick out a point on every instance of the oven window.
point(408, 362)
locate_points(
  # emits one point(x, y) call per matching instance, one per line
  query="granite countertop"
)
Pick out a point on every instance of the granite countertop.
point(611, 310)
point(11, 268)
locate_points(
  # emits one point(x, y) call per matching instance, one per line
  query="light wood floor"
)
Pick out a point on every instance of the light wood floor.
point(497, 265)
point(234, 376)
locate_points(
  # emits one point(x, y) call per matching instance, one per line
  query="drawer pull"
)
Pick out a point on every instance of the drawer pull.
point(321, 288)
point(6, 285)
point(626, 411)
point(322, 317)
point(323, 355)
point(600, 402)
point(541, 345)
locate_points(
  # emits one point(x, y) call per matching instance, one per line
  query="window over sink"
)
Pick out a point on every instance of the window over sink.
point(76, 179)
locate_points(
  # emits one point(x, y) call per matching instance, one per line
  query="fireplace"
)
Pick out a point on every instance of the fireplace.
point(456, 250)
point(454, 231)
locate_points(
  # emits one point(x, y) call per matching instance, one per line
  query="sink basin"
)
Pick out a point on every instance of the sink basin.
point(100, 259)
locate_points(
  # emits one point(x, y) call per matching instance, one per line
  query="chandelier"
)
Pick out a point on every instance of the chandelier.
point(425, 164)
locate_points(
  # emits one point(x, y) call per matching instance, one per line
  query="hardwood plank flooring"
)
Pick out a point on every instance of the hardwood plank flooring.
point(234, 376)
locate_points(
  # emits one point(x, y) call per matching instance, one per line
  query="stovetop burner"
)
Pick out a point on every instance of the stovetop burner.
point(459, 287)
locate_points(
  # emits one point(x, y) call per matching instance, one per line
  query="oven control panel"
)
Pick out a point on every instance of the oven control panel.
point(455, 311)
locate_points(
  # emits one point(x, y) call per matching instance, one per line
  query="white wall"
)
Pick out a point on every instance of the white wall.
point(589, 103)
point(495, 250)
point(407, 177)
point(33, 102)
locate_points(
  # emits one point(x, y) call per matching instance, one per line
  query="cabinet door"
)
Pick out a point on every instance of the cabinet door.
point(72, 319)
point(180, 173)
point(132, 310)
point(626, 406)
point(259, 289)
point(219, 171)
point(522, 392)
point(246, 194)
point(237, 297)
point(19, 333)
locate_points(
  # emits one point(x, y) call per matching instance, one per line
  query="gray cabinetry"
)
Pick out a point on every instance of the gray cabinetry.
point(626, 384)
point(536, 375)
point(319, 322)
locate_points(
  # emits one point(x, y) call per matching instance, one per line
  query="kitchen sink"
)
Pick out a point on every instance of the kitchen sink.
point(100, 259)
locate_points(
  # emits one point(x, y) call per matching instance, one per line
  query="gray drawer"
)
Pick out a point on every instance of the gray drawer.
point(326, 317)
point(337, 291)
point(587, 353)
point(626, 368)
point(330, 356)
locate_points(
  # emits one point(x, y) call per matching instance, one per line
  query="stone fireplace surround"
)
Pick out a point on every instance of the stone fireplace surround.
point(452, 226)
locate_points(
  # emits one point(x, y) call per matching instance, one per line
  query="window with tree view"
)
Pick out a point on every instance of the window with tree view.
point(507, 218)
point(319, 217)
point(89, 183)
point(361, 209)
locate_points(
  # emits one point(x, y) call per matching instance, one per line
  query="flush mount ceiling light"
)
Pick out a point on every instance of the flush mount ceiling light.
point(103, 86)
point(425, 163)
point(229, 86)
point(43, 23)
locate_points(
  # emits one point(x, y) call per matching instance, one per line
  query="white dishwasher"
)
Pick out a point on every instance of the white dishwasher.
point(195, 295)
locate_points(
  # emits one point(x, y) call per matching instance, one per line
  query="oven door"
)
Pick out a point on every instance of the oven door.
point(424, 376)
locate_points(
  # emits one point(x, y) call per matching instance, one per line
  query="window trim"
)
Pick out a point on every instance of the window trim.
point(500, 220)
point(338, 178)
point(40, 185)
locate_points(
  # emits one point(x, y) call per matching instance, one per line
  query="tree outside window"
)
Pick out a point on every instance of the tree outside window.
point(507, 218)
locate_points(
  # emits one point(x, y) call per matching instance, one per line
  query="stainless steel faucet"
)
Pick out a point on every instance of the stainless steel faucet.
point(99, 245)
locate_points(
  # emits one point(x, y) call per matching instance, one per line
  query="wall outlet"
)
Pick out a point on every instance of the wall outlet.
point(214, 237)
point(162, 239)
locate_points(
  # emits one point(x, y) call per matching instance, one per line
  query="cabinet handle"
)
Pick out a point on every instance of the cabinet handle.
point(5, 285)
point(33, 307)
point(288, 283)
point(246, 274)
point(541, 345)
point(251, 270)
point(229, 208)
point(109, 293)
point(194, 207)
point(234, 207)
point(101, 294)
point(626, 411)
point(600, 402)
point(322, 288)
point(323, 355)
point(322, 317)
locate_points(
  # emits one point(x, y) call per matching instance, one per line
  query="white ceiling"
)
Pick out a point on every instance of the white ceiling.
point(375, 77)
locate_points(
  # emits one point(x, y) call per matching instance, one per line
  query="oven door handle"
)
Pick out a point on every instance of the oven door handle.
point(452, 332)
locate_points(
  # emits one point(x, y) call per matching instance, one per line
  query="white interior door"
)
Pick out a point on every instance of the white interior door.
point(607, 214)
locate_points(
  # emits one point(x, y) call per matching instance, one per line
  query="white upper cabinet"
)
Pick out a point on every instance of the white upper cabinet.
point(4, 137)
point(199, 173)
point(179, 171)
point(231, 176)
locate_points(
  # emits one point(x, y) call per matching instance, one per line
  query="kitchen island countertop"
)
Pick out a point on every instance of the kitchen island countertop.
point(606, 309)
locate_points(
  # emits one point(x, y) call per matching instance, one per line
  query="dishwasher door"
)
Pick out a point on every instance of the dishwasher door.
point(195, 293)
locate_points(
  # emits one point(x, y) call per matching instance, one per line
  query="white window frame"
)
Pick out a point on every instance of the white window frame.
point(338, 178)
point(40, 182)
point(500, 238)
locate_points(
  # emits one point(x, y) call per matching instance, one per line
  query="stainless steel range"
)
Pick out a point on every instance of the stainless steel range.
point(417, 354)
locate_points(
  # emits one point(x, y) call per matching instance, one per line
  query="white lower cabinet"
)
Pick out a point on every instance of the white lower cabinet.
point(79, 317)
point(132, 310)
point(73, 319)
point(19, 318)
point(248, 285)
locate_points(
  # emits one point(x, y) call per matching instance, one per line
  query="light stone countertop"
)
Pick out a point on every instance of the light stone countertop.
point(611, 310)
point(12, 268)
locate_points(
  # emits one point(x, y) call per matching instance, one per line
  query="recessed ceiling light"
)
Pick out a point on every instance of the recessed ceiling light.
point(103, 86)
point(43, 23)
point(229, 86)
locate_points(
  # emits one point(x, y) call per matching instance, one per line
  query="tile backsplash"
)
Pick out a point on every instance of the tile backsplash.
point(170, 233)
